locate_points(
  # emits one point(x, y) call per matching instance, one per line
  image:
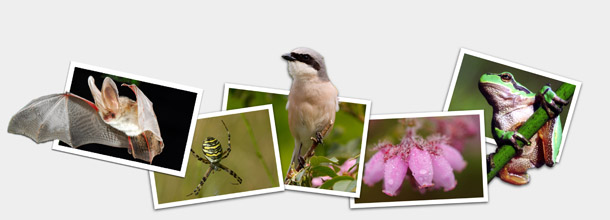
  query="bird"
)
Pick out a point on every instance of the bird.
point(312, 101)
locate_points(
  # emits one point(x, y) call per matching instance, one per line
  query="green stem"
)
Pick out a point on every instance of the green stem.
point(258, 152)
point(529, 129)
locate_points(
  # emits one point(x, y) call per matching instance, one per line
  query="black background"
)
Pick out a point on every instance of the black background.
point(173, 107)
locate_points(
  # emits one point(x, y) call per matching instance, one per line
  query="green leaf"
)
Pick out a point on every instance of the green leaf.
point(323, 171)
point(336, 167)
point(299, 176)
point(345, 185)
point(317, 160)
point(329, 183)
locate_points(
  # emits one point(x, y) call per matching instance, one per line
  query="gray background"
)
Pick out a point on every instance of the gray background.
point(399, 55)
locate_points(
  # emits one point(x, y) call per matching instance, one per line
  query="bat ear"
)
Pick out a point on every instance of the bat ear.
point(146, 114)
point(97, 95)
point(110, 95)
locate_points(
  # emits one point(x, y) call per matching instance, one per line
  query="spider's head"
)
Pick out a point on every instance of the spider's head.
point(212, 149)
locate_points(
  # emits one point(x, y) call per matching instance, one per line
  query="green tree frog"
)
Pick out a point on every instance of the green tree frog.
point(512, 105)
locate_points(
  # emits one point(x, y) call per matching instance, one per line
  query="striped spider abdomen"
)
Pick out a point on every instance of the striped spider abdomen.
point(212, 150)
point(212, 155)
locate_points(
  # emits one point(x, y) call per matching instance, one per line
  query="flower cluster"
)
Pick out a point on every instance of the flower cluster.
point(431, 162)
point(458, 129)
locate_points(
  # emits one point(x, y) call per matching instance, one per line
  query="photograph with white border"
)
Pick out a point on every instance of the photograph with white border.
point(465, 94)
point(234, 154)
point(339, 153)
point(424, 159)
point(173, 116)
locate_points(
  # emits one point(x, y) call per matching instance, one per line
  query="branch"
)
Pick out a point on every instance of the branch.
point(529, 129)
point(315, 143)
point(298, 167)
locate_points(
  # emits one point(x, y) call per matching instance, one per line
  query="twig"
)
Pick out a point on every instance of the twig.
point(529, 128)
point(298, 167)
point(315, 143)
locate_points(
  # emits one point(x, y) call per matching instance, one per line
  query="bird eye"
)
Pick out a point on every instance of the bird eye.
point(506, 77)
point(306, 57)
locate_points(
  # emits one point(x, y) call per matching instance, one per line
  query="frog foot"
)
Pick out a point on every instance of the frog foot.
point(515, 171)
point(514, 178)
point(518, 136)
point(551, 103)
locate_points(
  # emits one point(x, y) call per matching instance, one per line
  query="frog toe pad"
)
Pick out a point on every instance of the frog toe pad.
point(514, 178)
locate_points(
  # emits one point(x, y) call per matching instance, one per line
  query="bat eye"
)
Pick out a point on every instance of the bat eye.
point(109, 116)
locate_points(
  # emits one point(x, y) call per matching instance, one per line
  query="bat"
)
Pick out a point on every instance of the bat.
point(112, 120)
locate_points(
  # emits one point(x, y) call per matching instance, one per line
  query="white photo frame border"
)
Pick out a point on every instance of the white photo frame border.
point(76, 151)
point(485, 198)
point(367, 115)
point(278, 164)
point(572, 103)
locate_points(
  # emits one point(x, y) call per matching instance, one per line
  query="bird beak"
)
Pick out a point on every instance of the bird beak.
point(288, 57)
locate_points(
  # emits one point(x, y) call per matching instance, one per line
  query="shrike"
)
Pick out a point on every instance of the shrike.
point(312, 101)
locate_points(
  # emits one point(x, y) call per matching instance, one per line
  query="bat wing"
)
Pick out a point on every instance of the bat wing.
point(149, 142)
point(66, 117)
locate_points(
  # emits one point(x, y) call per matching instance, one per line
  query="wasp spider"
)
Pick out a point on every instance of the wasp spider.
point(213, 154)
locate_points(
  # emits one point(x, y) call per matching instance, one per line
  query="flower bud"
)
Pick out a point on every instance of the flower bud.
point(394, 174)
point(373, 169)
point(420, 164)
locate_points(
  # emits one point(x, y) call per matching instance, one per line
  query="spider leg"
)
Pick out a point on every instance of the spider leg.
point(207, 174)
point(203, 160)
point(231, 173)
point(226, 153)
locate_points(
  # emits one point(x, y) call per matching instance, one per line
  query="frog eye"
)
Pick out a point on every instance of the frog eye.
point(506, 77)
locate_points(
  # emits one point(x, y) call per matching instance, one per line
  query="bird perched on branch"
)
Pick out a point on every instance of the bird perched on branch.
point(312, 102)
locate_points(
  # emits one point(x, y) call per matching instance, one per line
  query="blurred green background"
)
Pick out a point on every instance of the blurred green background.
point(252, 158)
point(469, 181)
point(466, 95)
point(345, 140)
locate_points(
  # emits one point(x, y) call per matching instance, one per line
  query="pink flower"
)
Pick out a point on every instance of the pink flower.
point(443, 173)
point(373, 170)
point(394, 173)
point(318, 181)
point(346, 166)
point(420, 164)
point(431, 160)
point(458, 129)
point(470, 124)
point(454, 157)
